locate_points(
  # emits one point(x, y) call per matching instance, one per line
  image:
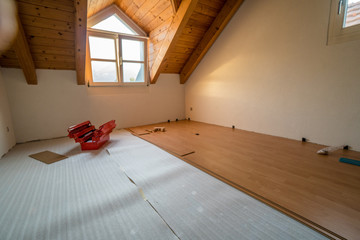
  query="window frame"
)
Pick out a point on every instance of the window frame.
point(142, 36)
point(337, 33)
point(109, 36)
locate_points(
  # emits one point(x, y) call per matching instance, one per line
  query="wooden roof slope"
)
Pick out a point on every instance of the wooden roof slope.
point(180, 33)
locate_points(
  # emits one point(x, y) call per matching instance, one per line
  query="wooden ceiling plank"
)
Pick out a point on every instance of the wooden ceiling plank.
point(9, 63)
point(55, 65)
point(35, 21)
point(224, 16)
point(80, 39)
point(207, 10)
point(123, 4)
point(157, 15)
point(46, 42)
point(145, 8)
point(161, 28)
point(45, 12)
point(178, 24)
point(134, 7)
point(25, 59)
point(64, 5)
point(48, 33)
point(52, 50)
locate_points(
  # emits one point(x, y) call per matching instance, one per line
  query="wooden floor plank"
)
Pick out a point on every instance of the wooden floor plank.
point(288, 175)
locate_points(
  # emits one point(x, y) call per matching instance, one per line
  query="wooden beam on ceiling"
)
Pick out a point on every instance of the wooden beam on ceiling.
point(80, 39)
point(177, 25)
point(23, 54)
point(222, 19)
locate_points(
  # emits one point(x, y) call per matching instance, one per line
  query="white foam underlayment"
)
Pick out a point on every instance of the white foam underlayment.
point(90, 195)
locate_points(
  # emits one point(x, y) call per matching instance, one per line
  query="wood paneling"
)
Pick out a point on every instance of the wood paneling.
point(49, 33)
point(95, 6)
point(50, 30)
point(27, 8)
point(226, 13)
point(288, 175)
point(34, 21)
point(177, 25)
point(198, 24)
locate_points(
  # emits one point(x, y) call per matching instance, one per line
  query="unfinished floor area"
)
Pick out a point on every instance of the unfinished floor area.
point(288, 175)
point(129, 189)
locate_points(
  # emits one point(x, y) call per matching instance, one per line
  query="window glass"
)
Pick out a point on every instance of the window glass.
point(352, 14)
point(114, 24)
point(102, 48)
point(132, 50)
point(104, 71)
point(133, 72)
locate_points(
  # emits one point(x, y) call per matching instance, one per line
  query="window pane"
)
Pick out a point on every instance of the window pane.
point(133, 72)
point(102, 48)
point(104, 71)
point(132, 50)
point(114, 24)
point(352, 15)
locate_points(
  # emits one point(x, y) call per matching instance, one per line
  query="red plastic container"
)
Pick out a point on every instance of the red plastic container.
point(89, 137)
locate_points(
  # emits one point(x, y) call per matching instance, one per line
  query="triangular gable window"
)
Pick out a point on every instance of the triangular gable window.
point(114, 24)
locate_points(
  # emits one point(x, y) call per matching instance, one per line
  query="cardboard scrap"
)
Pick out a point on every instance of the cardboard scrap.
point(47, 157)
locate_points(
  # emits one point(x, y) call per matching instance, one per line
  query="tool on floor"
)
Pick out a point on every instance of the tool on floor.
point(89, 137)
point(157, 129)
point(327, 150)
point(350, 161)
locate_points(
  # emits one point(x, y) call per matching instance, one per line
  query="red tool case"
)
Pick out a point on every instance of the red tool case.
point(89, 137)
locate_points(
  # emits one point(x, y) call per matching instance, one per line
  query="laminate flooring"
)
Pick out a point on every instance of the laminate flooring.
point(286, 174)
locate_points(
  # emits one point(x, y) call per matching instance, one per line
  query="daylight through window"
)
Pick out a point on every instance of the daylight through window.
point(344, 22)
point(117, 53)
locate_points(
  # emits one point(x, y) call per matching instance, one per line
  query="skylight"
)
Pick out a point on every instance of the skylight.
point(114, 24)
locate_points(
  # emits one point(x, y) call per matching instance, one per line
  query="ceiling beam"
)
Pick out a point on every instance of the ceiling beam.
point(175, 5)
point(23, 54)
point(80, 39)
point(224, 16)
point(182, 16)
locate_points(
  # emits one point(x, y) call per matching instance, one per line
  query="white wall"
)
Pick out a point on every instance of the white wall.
point(46, 110)
point(7, 137)
point(271, 71)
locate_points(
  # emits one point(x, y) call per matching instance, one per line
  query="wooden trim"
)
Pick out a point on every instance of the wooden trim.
point(179, 22)
point(111, 10)
point(23, 54)
point(80, 39)
point(226, 13)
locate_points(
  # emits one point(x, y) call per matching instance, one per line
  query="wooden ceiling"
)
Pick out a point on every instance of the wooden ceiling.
point(180, 32)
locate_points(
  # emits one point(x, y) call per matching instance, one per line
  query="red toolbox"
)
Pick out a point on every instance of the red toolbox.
point(89, 137)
